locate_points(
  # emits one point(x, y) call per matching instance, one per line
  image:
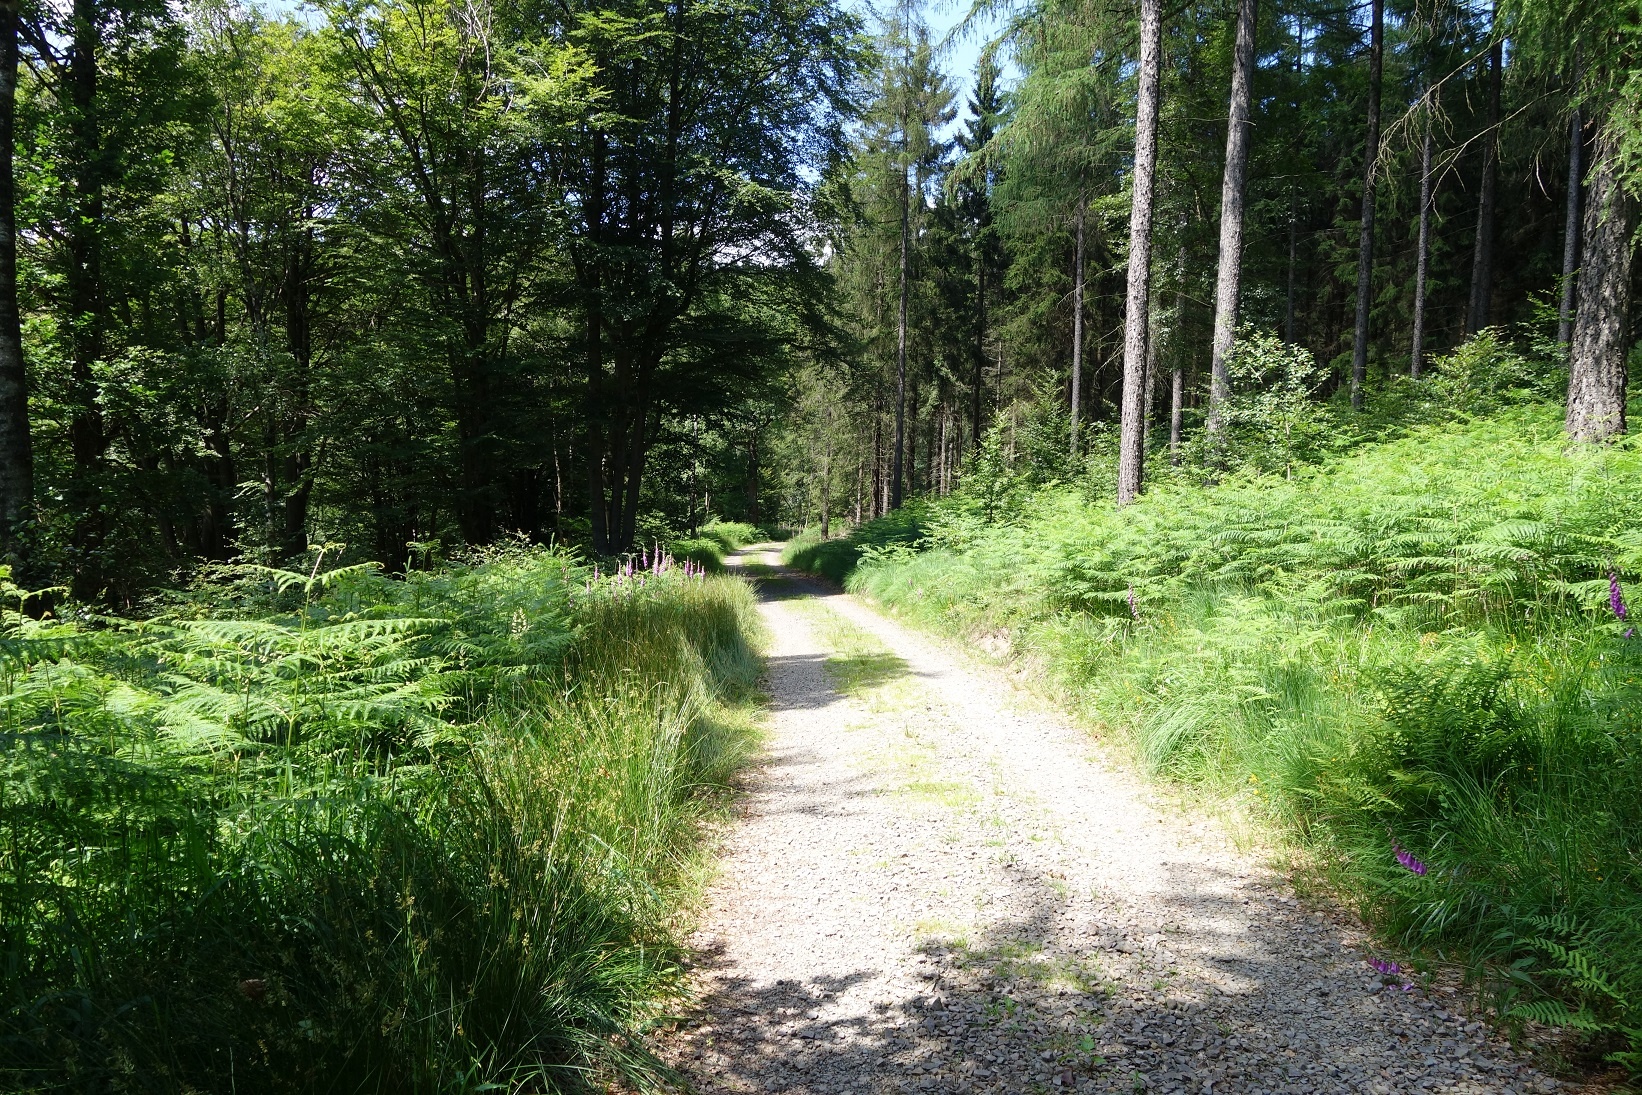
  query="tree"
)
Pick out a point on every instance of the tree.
point(1132, 443)
point(1422, 246)
point(16, 438)
point(1482, 261)
point(1570, 228)
point(1228, 282)
point(1601, 335)
point(1365, 234)
point(686, 184)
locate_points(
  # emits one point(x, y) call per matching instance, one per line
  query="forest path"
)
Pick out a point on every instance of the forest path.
point(939, 886)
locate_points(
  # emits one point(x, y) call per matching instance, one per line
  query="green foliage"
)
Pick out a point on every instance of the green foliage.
point(717, 539)
point(363, 834)
point(1412, 646)
point(1273, 421)
point(835, 559)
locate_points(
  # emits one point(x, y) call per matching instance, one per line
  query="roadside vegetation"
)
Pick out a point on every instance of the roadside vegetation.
point(333, 830)
point(713, 542)
point(1409, 648)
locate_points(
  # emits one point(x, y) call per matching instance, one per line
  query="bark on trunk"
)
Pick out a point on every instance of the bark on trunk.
point(1132, 437)
point(1177, 381)
point(1177, 384)
point(1077, 329)
point(16, 442)
point(1365, 236)
point(1596, 380)
point(978, 387)
point(1482, 258)
point(1229, 279)
point(1294, 257)
point(1416, 357)
point(901, 347)
point(1570, 230)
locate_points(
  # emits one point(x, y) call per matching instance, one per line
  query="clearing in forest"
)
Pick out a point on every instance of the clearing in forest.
point(938, 886)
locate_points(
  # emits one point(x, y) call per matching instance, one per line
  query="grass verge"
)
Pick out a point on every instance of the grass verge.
point(347, 833)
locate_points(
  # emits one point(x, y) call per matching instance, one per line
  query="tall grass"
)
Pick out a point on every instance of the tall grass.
point(1413, 648)
point(362, 834)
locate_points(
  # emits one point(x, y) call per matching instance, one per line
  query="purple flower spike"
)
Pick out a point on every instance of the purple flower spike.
point(1134, 609)
point(1615, 600)
point(1381, 966)
point(1406, 857)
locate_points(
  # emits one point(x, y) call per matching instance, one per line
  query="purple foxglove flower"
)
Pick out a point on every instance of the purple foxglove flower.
point(1407, 859)
point(1381, 966)
point(1615, 600)
point(1134, 610)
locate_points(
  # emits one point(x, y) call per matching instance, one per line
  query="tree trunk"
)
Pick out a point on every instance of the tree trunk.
point(901, 346)
point(978, 388)
point(1177, 385)
point(1482, 259)
point(1077, 328)
point(1416, 356)
point(1596, 379)
point(16, 443)
point(1177, 379)
point(1570, 230)
point(84, 277)
point(1229, 279)
point(1294, 256)
point(1365, 236)
point(1132, 438)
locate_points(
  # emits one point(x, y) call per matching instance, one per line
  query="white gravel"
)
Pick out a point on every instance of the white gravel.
point(939, 887)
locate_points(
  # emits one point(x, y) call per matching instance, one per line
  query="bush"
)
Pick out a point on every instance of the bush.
point(418, 836)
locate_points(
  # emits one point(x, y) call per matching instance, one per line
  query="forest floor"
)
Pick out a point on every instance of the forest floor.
point(937, 884)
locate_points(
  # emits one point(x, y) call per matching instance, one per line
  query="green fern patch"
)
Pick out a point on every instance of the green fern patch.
point(361, 833)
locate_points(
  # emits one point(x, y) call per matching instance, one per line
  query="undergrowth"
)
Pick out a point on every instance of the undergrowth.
point(1413, 657)
point(713, 542)
point(333, 831)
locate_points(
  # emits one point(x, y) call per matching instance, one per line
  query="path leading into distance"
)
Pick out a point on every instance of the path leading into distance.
point(938, 886)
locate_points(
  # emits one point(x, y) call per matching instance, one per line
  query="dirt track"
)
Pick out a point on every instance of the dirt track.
point(939, 887)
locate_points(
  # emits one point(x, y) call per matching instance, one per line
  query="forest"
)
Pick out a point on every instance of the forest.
point(384, 383)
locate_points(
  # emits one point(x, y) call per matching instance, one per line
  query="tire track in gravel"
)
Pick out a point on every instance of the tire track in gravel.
point(938, 887)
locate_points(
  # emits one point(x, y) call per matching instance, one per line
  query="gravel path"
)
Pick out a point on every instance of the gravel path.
point(939, 887)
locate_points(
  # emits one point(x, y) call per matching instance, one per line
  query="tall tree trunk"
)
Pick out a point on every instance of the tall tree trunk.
point(1229, 279)
point(1365, 236)
point(1570, 230)
point(1177, 378)
point(595, 415)
point(1416, 356)
point(1596, 378)
point(1294, 257)
point(86, 306)
point(1132, 436)
point(1482, 258)
point(16, 443)
point(299, 460)
point(979, 386)
point(901, 344)
point(1077, 328)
